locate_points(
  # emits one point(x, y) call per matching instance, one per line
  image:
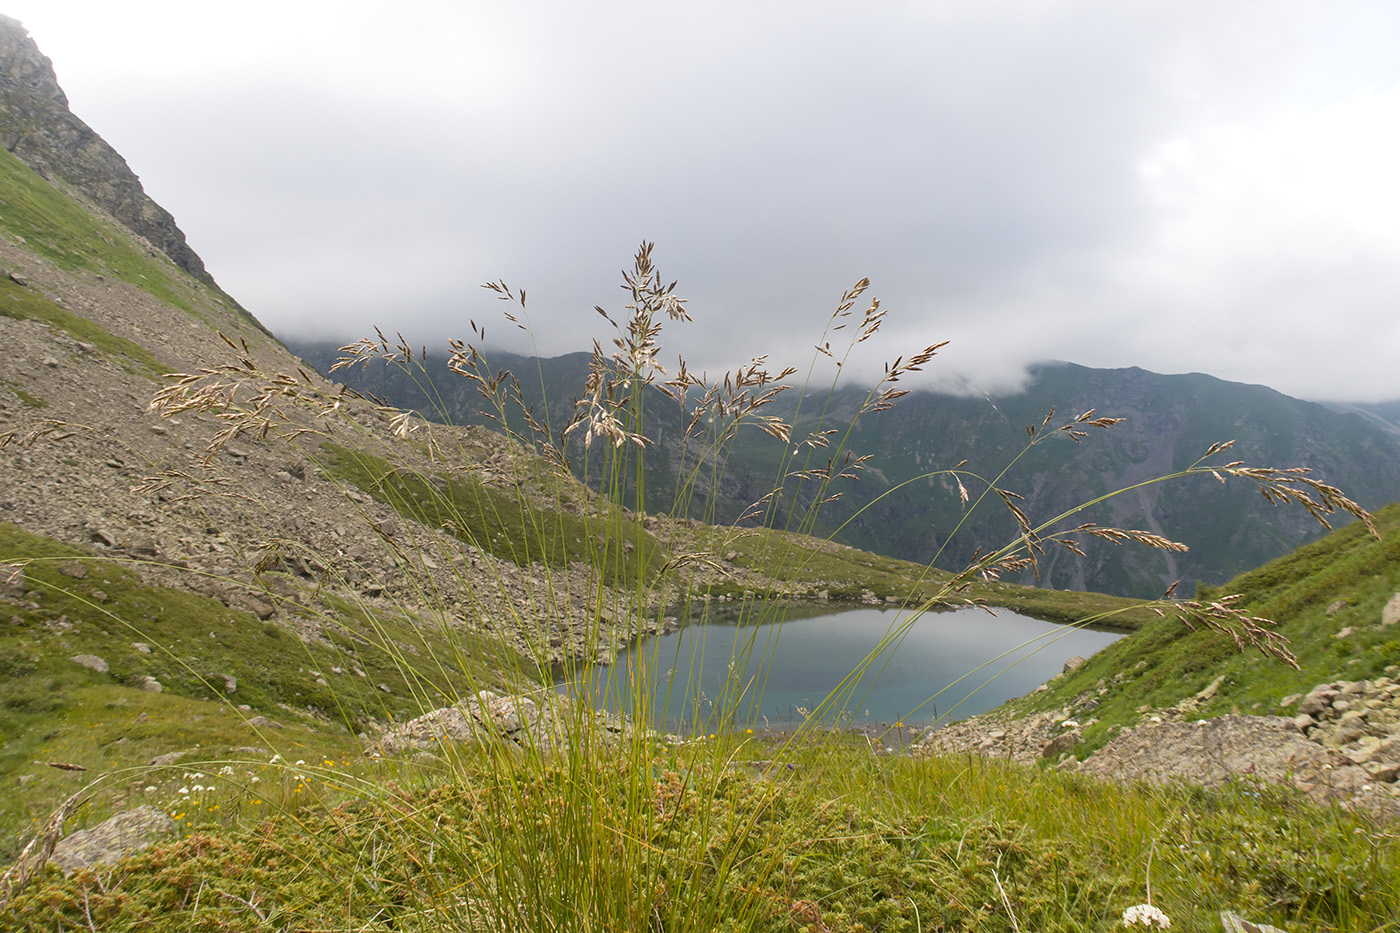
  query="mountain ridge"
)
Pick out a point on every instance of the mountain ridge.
point(905, 505)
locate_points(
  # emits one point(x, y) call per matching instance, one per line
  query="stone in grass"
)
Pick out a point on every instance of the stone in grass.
point(127, 832)
point(91, 661)
point(1390, 615)
point(151, 685)
point(1234, 923)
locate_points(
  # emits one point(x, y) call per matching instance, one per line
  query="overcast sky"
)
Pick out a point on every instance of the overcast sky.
point(1182, 186)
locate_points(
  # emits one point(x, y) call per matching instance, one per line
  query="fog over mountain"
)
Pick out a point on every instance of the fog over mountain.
point(905, 502)
point(1178, 186)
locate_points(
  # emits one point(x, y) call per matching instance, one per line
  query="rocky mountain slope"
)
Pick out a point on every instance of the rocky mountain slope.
point(38, 128)
point(902, 505)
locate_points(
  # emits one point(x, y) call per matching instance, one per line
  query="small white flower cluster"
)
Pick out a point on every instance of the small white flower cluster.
point(1147, 915)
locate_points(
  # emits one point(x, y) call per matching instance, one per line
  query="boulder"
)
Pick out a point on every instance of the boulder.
point(1390, 615)
point(1061, 744)
point(92, 662)
point(127, 832)
point(1211, 752)
point(1211, 689)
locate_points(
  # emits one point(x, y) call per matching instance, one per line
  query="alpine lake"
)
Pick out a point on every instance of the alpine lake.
point(724, 670)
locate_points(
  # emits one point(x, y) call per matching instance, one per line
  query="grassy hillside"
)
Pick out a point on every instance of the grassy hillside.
point(290, 826)
point(322, 690)
point(908, 506)
point(1327, 597)
point(268, 671)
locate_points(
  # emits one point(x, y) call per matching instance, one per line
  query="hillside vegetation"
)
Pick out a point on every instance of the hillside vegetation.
point(1328, 597)
point(907, 505)
point(311, 642)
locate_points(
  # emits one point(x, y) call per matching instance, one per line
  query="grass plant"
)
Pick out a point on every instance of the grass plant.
point(586, 824)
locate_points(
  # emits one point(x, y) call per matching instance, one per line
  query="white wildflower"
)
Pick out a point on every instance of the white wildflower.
point(1147, 915)
point(1069, 724)
point(184, 791)
point(150, 788)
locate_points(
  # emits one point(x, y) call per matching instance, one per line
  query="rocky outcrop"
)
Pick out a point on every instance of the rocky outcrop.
point(1025, 739)
point(36, 125)
point(486, 716)
point(127, 832)
point(1360, 719)
point(1342, 745)
point(1211, 752)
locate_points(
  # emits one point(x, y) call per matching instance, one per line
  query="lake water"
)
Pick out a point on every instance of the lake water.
point(778, 670)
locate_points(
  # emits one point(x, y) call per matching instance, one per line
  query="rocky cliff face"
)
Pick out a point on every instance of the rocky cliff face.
point(37, 126)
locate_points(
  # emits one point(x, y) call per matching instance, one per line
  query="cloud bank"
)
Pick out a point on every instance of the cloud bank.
point(1182, 186)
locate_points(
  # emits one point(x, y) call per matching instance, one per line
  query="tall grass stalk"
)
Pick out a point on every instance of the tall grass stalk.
point(559, 560)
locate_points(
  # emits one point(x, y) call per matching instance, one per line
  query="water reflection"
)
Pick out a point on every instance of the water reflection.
point(978, 660)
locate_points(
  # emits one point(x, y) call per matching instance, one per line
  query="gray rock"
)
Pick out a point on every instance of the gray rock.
point(127, 832)
point(230, 682)
point(1073, 664)
point(91, 662)
point(1234, 923)
point(1213, 751)
point(141, 646)
point(262, 722)
point(1390, 615)
point(484, 716)
point(1061, 744)
point(1211, 689)
point(1374, 748)
point(151, 685)
point(169, 758)
point(1318, 700)
point(103, 537)
point(240, 599)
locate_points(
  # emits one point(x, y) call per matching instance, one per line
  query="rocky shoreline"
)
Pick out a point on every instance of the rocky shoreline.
point(1342, 744)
